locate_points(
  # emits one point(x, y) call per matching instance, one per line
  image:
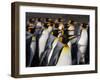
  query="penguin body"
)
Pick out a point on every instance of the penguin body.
point(82, 45)
point(65, 57)
point(32, 48)
point(43, 40)
point(53, 46)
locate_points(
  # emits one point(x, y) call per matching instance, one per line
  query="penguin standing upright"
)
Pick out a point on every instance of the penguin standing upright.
point(53, 48)
point(28, 51)
point(72, 40)
point(43, 39)
point(82, 44)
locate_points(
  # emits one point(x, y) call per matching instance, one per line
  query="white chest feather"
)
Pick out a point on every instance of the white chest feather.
point(83, 38)
point(65, 57)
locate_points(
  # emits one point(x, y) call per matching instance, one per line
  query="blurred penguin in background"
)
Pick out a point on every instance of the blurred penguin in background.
point(55, 28)
point(60, 27)
point(39, 27)
point(82, 43)
point(30, 29)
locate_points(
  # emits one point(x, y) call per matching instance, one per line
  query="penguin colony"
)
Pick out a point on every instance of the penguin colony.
point(56, 43)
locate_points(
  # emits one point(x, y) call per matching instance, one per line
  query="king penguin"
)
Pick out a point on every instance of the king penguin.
point(43, 39)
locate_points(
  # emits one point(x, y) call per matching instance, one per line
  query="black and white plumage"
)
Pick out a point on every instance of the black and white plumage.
point(59, 55)
point(43, 39)
point(28, 50)
point(82, 45)
point(53, 47)
point(48, 48)
point(32, 48)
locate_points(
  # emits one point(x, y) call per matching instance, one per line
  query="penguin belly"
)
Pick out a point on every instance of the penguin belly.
point(42, 41)
point(65, 57)
point(83, 38)
point(82, 45)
